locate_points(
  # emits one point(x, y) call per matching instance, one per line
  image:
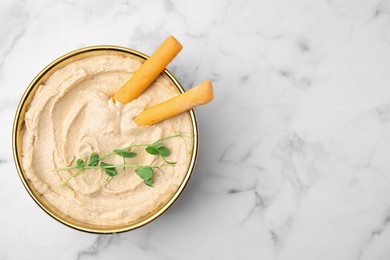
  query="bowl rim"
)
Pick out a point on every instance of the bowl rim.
point(19, 119)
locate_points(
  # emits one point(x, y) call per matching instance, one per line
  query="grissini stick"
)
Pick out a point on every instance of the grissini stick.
point(199, 95)
point(148, 71)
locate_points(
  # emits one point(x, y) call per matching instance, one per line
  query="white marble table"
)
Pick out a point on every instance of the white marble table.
point(295, 149)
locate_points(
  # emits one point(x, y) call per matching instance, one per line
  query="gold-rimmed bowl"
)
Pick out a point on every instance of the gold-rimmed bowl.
point(19, 125)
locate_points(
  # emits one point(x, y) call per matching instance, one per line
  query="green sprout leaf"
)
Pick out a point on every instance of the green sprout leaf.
point(145, 172)
point(80, 163)
point(108, 168)
point(94, 159)
point(152, 150)
point(158, 148)
point(124, 153)
point(164, 152)
point(149, 182)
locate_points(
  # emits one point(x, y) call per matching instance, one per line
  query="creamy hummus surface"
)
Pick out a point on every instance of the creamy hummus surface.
point(72, 115)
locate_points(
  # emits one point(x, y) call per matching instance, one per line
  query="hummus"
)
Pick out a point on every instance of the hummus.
point(72, 115)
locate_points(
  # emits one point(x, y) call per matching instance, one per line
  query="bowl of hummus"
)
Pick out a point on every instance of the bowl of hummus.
point(67, 116)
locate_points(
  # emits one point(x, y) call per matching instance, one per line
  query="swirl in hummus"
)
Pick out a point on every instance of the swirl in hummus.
point(72, 115)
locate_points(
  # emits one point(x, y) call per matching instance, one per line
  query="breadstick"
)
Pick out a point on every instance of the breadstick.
point(199, 95)
point(148, 71)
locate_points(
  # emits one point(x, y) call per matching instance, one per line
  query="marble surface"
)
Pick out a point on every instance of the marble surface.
point(295, 149)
